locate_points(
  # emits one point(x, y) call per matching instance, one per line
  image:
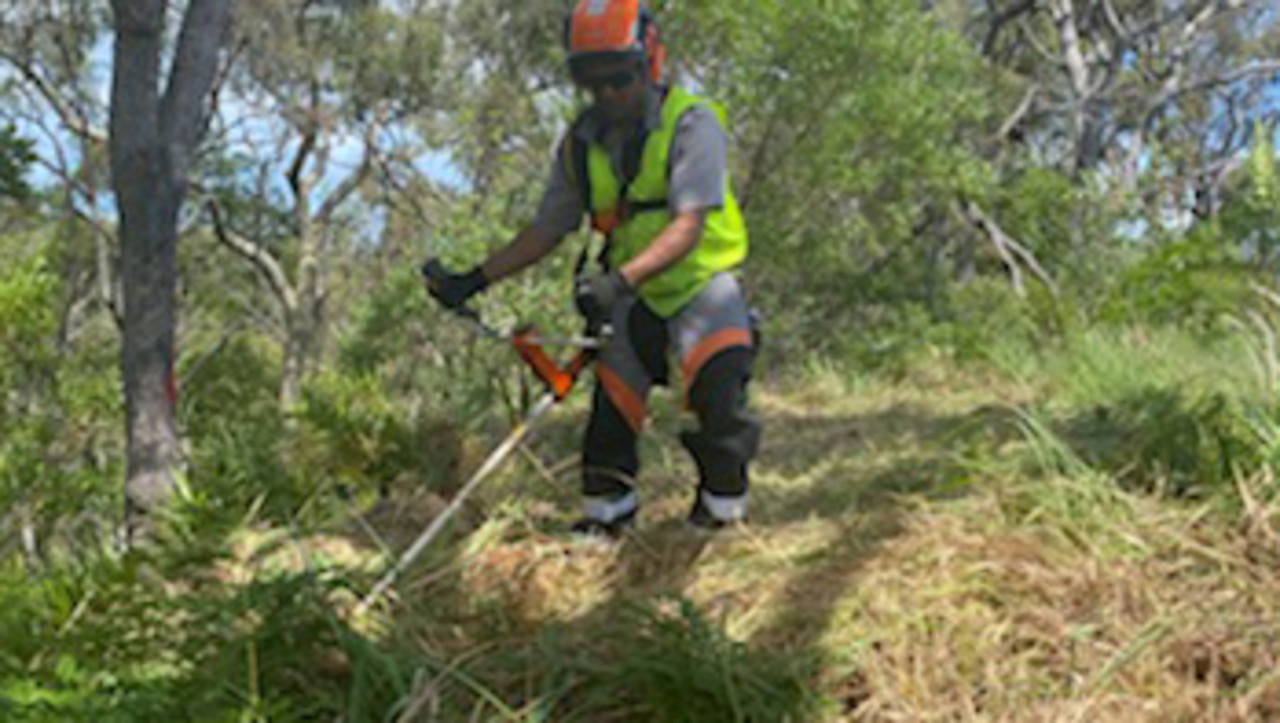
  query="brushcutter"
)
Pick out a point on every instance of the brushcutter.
point(559, 381)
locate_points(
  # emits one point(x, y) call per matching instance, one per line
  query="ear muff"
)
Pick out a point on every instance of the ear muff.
point(655, 51)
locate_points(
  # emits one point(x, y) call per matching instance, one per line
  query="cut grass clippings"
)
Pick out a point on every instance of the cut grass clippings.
point(924, 552)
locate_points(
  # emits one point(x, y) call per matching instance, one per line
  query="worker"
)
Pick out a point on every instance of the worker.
point(646, 162)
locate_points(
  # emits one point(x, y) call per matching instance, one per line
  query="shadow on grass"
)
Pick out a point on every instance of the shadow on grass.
point(852, 473)
point(831, 467)
point(859, 473)
point(1170, 440)
point(642, 651)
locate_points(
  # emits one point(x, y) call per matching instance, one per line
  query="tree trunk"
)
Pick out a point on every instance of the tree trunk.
point(302, 320)
point(297, 351)
point(304, 325)
point(148, 229)
point(151, 139)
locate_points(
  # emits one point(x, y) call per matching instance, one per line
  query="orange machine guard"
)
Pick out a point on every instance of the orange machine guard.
point(559, 380)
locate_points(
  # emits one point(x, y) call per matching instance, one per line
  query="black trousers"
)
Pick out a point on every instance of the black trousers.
point(728, 433)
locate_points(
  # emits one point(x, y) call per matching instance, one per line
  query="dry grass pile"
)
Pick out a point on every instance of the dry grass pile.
point(972, 615)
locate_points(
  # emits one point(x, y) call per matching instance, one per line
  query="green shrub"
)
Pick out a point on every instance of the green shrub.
point(1184, 444)
point(355, 433)
point(1190, 282)
point(60, 436)
point(186, 634)
point(230, 405)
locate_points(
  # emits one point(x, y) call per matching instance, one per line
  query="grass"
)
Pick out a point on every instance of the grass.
point(1072, 534)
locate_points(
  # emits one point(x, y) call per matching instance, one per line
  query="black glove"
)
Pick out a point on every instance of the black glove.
point(453, 290)
point(595, 297)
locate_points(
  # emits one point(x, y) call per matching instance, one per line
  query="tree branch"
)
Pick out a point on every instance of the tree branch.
point(1033, 40)
point(104, 237)
point(398, 189)
point(72, 120)
point(758, 157)
point(1172, 85)
point(1009, 250)
point(1072, 54)
point(267, 264)
point(1170, 94)
point(134, 121)
point(348, 185)
point(294, 174)
point(184, 110)
point(1019, 113)
point(1119, 27)
point(1001, 19)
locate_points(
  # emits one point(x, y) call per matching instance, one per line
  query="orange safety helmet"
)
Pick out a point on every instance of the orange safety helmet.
point(617, 28)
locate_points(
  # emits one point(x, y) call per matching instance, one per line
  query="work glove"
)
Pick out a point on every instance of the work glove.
point(595, 297)
point(454, 290)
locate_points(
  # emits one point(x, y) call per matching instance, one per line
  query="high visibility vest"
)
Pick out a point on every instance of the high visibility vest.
point(632, 218)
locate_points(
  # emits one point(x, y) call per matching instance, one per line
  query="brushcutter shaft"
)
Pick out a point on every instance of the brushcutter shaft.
point(495, 460)
point(559, 380)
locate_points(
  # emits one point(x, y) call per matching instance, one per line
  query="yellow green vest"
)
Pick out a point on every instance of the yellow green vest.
point(724, 239)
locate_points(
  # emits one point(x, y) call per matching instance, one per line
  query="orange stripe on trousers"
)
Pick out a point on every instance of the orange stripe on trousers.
point(709, 347)
point(628, 402)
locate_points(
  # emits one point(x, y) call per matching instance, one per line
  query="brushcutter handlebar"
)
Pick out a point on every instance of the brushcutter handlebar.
point(529, 344)
point(434, 271)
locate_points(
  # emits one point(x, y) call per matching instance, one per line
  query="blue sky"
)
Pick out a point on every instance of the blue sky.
point(252, 128)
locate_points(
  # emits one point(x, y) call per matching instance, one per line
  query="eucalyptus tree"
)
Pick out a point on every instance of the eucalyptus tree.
point(510, 96)
point(159, 112)
point(61, 444)
point(321, 105)
point(1163, 92)
point(164, 63)
point(52, 76)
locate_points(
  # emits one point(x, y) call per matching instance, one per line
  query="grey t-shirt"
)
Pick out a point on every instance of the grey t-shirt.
point(699, 160)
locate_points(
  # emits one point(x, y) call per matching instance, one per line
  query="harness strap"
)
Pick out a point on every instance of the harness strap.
point(577, 169)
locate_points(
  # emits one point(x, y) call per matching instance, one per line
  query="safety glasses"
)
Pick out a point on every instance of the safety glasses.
point(615, 81)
